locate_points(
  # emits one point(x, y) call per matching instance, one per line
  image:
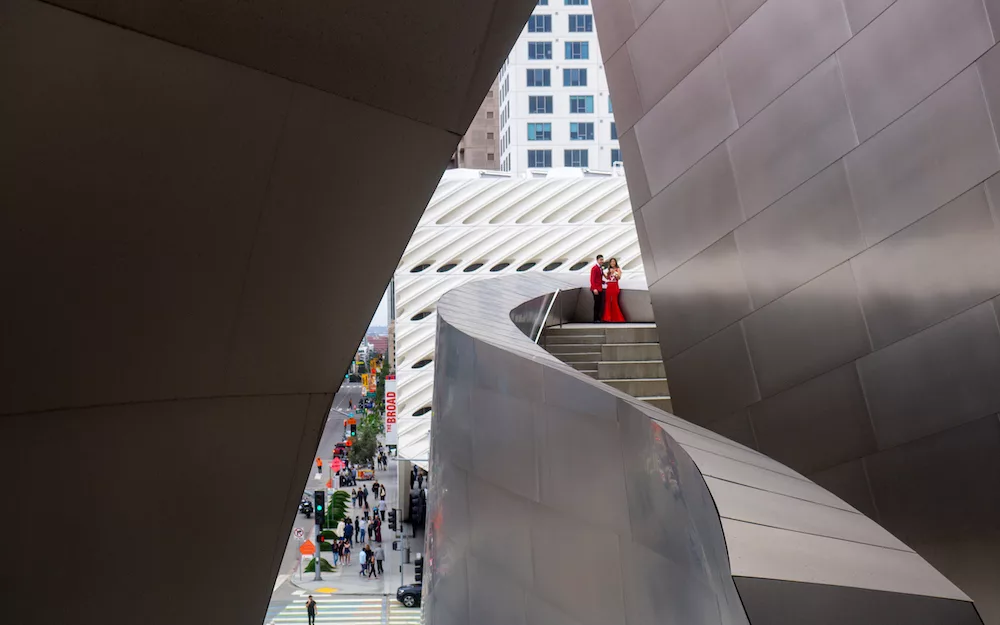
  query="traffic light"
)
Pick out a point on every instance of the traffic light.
point(320, 538)
point(418, 569)
point(392, 519)
point(354, 429)
point(319, 507)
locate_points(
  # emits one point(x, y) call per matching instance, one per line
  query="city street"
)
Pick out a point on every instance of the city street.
point(343, 596)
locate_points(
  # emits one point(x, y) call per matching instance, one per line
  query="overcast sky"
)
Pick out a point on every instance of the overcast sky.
point(381, 317)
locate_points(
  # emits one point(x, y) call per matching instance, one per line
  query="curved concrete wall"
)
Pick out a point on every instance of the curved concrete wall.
point(815, 189)
point(558, 500)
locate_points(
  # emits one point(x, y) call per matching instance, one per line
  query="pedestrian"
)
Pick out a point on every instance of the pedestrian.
point(366, 511)
point(354, 497)
point(362, 528)
point(363, 559)
point(381, 508)
point(597, 287)
point(365, 491)
point(348, 532)
point(347, 553)
point(420, 480)
point(335, 548)
point(375, 489)
point(311, 610)
point(371, 564)
point(379, 558)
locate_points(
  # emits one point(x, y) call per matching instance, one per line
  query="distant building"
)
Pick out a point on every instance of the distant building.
point(555, 106)
point(479, 148)
point(379, 343)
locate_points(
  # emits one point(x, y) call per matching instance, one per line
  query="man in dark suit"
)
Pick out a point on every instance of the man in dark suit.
point(597, 287)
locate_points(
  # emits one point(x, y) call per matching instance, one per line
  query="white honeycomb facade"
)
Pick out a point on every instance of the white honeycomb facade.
point(484, 224)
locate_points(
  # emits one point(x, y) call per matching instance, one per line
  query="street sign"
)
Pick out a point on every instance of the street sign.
point(307, 548)
point(298, 532)
point(336, 465)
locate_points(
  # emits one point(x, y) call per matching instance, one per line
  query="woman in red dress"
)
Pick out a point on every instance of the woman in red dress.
point(612, 311)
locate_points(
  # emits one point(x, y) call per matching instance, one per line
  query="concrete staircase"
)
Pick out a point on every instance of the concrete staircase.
point(625, 356)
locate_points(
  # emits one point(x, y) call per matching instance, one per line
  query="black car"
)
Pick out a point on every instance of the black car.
point(409, 595)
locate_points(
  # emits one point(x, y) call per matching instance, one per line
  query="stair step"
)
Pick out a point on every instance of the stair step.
point(631, 369)
point(585, 366)
point(574, 349)
point(575, 339)
point(631, 335)
point(592, 357)
point(613, 352)
point(641, 387)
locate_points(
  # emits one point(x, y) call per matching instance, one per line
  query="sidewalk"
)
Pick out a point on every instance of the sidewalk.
point(347, 579)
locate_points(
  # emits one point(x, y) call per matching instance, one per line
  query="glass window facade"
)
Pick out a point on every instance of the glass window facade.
point(574, 78)
point(614, 131)
point(541, 24)
point(577, 50)
point(539, 78)
point(539, 104)
point(581, 104)
point(575, 158)
point(539, 50)
point(616, 156)
point(581, 131)
point(539, 132)
point(539, 158)
point(578, 23)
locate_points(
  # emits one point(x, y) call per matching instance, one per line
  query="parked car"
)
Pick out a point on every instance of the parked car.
point(409, 595)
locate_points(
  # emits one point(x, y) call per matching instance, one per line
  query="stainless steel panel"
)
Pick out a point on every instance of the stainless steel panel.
point(742, 503)
point(635, 171)
point(624, 92)
point(727, 449)
point(800, 236)
point(700, 297)
point(810, 331)
point(645, 249)
point(758, 64)
point(563, 391)
point(561, 544)
point(646, 573)
point(939, 266)
point(880, 63)
point(642, 9)
point(988, 66)
point(927, 488)
point(495, 370)
point(672, 42)
point(693, 212)
point(570, 438)
point(494, 599)
point(993, 195)
point(503, 441)
point(713, 465)
point(542, 613)
point(685, 125)
point(993, 9)
point(778, 602)
point(501, 530)
point(739, 10)
point(614, 25)
point(736, 427)
point(806, 129)
point(930, 156)
point(937, 379)
point(787, 555)
point(714, 378)
point(816, 425)
point(849, 482)
point(861, 12)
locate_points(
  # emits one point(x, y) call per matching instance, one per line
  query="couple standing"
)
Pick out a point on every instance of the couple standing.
point(604, 286)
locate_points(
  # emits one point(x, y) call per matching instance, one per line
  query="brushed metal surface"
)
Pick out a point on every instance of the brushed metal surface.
point(701, 297)
point(939, 266)
point(849, 482)
point(614, 24)
point(860, 13)
point(940, 378)
point(501, 529)
point(696, 210)
point(934, 153)
point(800, 236)
point(913, 483)
point(736, 427)
point(686, 125)
point(625, 93)
point(739, 10)
point(909, 51)
point(817, 424)
point(756, 56)
point(677, 37)
point(638, 187)
point(799, 134)
point(714, 378)
point(811, 330)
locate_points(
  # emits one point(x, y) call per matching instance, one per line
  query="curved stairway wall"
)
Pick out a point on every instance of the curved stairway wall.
point(556, 499)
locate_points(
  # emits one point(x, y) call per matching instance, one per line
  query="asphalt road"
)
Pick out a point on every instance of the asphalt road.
point(332, 434)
